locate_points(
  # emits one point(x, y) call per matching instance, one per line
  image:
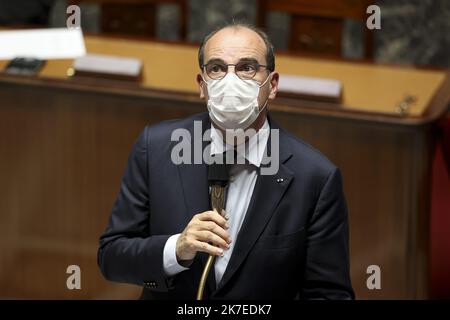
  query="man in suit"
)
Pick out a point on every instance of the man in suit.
point(283, 233)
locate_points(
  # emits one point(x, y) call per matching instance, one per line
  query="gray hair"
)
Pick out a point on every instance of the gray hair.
point(270, 57)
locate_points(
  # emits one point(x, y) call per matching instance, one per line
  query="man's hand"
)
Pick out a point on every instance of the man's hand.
point(206, 232)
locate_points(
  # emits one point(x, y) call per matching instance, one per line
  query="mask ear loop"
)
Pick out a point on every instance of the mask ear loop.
point(262, 84)
point(265, 105)
point(267, 100)
point(204, 80)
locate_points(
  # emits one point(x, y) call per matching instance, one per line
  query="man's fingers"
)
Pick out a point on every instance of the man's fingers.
point(213, 227)
point(225, 214)
point(206, 247)
point(207, 233)
point(214, 216)
point(208, 236)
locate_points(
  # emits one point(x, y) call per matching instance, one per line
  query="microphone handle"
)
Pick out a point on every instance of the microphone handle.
point(218, 204)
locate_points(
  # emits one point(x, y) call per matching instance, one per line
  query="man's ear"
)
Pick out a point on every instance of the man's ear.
point(201, 86)
point(274, 85)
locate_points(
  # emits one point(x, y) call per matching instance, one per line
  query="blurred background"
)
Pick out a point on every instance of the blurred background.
point(415, 32)
point(414, 36)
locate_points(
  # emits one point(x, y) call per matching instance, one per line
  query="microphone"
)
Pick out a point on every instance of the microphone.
point(218, 176)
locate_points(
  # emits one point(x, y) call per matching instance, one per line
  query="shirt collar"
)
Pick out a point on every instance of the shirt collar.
point(256, 144)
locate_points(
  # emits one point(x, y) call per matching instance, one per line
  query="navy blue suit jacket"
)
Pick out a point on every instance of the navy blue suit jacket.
point(293, 241)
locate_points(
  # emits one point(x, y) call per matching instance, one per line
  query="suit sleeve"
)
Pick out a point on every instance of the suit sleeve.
point(127, 252)
point(327, 274)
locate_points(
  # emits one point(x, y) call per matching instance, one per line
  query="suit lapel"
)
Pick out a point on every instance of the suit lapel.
point(268, 191)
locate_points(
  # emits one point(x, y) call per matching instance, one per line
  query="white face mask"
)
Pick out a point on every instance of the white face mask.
point(233, 102)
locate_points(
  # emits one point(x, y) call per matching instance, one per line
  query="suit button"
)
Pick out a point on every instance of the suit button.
point(150, 284)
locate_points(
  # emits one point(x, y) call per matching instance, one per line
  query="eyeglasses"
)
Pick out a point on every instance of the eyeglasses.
point(245, 70)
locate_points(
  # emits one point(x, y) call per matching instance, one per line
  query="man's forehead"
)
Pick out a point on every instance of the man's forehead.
point(232, 45)
point(230, 54)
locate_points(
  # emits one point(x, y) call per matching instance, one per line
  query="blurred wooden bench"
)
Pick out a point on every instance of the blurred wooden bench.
point(135, 17)
point(317, 26)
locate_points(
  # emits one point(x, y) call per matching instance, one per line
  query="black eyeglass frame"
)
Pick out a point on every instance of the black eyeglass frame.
point(257, 65)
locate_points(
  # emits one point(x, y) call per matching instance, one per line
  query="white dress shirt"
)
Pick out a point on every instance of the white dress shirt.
point(240, 189)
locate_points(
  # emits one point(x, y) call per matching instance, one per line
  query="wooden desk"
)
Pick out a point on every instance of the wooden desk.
point(64, 146)
point(367, 87)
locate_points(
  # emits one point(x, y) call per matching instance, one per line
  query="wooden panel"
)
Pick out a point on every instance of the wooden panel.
point(135, 17)
point(317, 26)
point(326, 8)
point(318, 36)
point(138, 19)
point(61, 164)
point(382, 166)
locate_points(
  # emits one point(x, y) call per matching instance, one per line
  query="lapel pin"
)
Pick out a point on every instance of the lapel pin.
point(280, 180)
